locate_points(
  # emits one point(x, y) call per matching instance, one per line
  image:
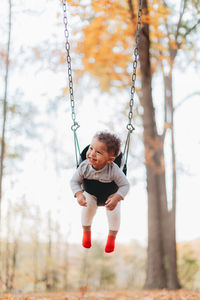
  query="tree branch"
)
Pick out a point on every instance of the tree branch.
point(192, 28)
point(186, 99)
point(130, 4)
point(183, 5)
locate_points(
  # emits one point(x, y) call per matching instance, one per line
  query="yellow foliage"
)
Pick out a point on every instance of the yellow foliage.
point(4, 56)
point(72, 2)
point(108, 37)
point(65, 91)
point(107, 42)
point(173, 44)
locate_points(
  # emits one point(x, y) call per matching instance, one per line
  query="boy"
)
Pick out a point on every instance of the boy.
point(99, 165)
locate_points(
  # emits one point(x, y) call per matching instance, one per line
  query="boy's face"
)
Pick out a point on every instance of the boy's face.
point(97, 155)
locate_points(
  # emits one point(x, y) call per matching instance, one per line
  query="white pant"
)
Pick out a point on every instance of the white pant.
point(89, 212)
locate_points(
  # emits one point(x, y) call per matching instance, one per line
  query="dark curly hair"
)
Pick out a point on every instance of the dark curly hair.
point(112, 142)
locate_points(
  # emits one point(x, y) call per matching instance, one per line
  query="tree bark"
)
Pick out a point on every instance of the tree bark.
point(66, 264)
point(169, 215)
point(4, 118)
point(161, 256)
point(155, 267)
point(14, 262)
point(48, 272)
point(5, 105)
point(35, 262)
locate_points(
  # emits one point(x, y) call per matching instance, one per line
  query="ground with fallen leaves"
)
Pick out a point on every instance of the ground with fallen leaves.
point(123, 295)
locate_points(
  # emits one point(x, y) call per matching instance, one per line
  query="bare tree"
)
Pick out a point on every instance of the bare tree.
point(6, 80)
point(16, 214)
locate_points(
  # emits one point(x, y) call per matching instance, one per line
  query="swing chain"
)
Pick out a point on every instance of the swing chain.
point(75, 125)
point(129, 126)
point(135, 62)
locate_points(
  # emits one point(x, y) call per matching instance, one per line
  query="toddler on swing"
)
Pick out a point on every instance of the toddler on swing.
point(99, 165)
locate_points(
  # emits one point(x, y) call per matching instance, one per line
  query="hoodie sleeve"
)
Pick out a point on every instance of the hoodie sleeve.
point(77, 180)
point(121, 181)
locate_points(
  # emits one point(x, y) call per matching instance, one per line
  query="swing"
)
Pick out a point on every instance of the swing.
point(94, 187)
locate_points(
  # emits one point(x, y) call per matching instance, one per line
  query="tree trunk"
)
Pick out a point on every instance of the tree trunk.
point(66, 263)
point(4, 117)
point(66, 267)
point(35, 262)
point(155, 267)
point(48, 272)
point(5, 105)
point(161, 258)
point(169, 227)
point(7, 266)
point(8, 245)
point(14, 261)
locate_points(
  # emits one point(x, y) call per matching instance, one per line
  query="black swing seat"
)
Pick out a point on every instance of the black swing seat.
point(101, 190)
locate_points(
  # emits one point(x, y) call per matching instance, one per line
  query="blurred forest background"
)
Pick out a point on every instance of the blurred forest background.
point(38, 249)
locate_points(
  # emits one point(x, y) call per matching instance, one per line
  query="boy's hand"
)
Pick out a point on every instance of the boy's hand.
point(81, 199)
point(112, 201)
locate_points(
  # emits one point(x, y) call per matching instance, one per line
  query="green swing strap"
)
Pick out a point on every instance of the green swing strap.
point(75, 125)
point(77, 149)
point(126, 150)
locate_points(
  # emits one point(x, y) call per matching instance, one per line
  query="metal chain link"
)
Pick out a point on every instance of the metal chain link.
point(75, 125)
point(135, 62)
point(131, 102)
